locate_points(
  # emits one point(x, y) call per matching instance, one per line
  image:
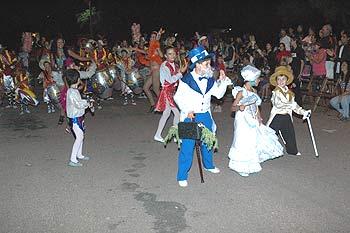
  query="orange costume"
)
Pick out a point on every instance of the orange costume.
point(141, 58)
point(152, 52)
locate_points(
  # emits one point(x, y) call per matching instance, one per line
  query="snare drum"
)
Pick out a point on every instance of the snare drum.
point(100, 81)
point(135, 81)
point(54, 94)
point(26, 96)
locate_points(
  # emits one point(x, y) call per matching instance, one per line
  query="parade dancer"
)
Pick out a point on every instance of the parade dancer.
point(155, 57)
point(169, 76)
point(283, 105)
point(253, 142)
point(193, 99)
point(75, 112)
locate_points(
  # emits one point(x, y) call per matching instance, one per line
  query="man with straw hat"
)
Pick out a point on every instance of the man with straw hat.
point(283, 104)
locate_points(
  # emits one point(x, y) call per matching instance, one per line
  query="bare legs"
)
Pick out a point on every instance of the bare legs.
point(154, 82)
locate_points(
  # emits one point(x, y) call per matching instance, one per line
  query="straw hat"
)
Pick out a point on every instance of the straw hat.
point(281, 70)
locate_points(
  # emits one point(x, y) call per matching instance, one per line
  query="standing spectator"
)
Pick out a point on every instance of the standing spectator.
point(297, 66)
point(285, 39)
point(328, 43)
point(318, 60)
point(270, 56)
point(343, 53)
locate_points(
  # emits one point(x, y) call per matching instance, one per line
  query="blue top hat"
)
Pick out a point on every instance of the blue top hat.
point(198, 54)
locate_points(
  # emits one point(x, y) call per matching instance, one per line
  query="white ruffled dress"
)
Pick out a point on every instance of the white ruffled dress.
point(252, 144)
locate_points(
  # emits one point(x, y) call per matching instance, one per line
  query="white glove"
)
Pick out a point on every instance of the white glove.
point(294, 105)
point(306, 114)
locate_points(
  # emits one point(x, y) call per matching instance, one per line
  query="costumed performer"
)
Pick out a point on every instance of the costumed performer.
point(169, 76)
point(253, 142)
point(193, 99)
point(283, 104)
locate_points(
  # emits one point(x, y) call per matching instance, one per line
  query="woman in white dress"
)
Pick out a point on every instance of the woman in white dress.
point(253, 142)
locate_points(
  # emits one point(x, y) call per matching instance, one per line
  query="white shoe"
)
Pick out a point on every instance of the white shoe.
point(214, 170)
point(183, 183)
point(27, 111)
point(298, 153)
point(21, 113)
point(158, 139)
point(243, 174)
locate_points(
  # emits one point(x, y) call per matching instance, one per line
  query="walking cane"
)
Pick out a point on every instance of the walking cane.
point(312, 136)
point(198, 152)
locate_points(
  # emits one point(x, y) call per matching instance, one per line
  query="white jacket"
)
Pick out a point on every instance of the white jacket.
point(188, 96)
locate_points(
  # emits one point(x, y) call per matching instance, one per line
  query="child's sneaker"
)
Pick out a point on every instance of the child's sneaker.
point(77, 164)
point(49, 109)
point(27, 110)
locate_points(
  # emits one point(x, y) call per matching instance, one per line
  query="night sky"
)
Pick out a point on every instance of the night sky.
point(116, 17)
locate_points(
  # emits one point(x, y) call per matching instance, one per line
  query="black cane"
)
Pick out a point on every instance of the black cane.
point(198, 152)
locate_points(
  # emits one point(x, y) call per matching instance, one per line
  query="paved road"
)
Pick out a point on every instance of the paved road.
point(130, 183)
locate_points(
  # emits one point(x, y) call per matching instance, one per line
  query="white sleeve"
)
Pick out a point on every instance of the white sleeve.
point(219, 89)
point(166, 75)
point(181, 97)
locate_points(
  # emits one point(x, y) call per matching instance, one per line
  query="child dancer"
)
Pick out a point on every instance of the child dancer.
point(75, 113)
point(253, 142)
point(283, 104)
point(169, 76)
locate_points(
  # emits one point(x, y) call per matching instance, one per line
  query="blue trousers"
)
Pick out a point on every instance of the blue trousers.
point(187, 149)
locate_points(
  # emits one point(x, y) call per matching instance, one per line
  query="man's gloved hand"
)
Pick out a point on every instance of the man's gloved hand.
point(294, 105)
point(306, 114)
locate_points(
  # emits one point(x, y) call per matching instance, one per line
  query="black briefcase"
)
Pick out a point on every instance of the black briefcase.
point(190, 130)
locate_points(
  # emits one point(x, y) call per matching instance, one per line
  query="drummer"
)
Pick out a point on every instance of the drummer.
point(22, 82)
point(49, 78)
point(100, 55)
point(126, 67)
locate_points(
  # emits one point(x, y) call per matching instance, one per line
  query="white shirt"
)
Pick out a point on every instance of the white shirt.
point(75, 104)
point(339, 56)
point(165, 73)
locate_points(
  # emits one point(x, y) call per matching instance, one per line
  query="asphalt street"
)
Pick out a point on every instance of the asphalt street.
point(129, 185)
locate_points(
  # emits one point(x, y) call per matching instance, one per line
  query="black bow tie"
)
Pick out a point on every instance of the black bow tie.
point(200, 78)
